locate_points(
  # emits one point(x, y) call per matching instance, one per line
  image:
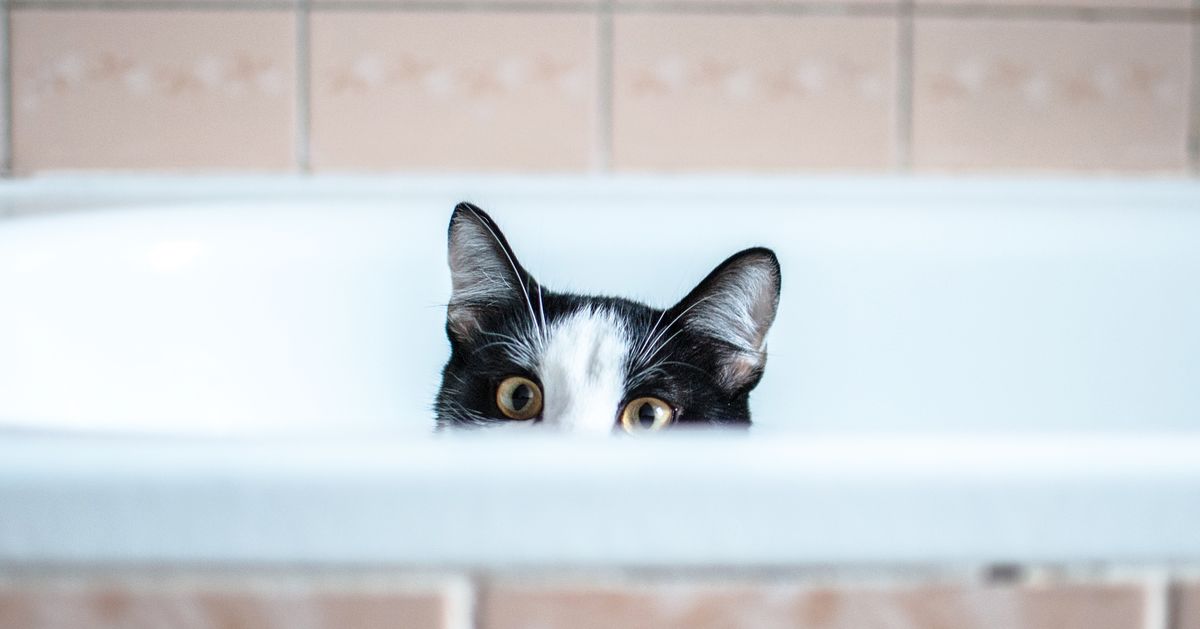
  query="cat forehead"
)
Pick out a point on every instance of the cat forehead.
point(524, 337)
point(557, 308)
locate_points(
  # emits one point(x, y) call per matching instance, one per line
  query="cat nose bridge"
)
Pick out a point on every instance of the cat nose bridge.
point(579, 402)
point(583, 372)
point(586, 411)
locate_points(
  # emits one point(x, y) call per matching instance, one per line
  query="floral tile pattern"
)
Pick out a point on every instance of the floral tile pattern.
point(458, 92)
point(1060, 96)
point(753, 93)
point(210, 90)
point(566, 86)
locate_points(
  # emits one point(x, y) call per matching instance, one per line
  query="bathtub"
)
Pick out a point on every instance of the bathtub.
point(241, 370)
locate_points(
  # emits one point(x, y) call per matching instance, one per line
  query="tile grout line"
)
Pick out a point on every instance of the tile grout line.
point(6, 150)
point(303, 162)
point(902, 160)
point(604, 89)
point(1193, 138)
point(1157, 612)
point(461, 595)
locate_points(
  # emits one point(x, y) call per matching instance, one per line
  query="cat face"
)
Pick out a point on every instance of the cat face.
point(522, 356)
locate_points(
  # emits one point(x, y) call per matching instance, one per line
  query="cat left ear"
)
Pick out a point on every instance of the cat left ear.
point(735, 305)
point(484, 272)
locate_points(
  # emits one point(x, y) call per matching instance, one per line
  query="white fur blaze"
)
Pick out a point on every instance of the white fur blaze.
point(583, 371)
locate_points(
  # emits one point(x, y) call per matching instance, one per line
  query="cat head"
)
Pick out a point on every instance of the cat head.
point(524, 356)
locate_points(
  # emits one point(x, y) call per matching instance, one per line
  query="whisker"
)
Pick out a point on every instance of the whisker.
point(658, 346)
point(653, 329)
point(542, 309)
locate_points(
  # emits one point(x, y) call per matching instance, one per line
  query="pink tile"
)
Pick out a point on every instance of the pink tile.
point(335, 3)
point(153, 90)
point(5, 154)
point(68, 3)
point(1125, 4)
point(417, 91)
point(1055, 95)
point(772, 604)
point(281, 603)
point(848, 3)
point(1186, 612)
point(753, 93)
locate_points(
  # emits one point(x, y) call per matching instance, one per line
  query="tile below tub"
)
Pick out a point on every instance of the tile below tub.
point(234, 603)
point(773, 604)
point(1186, 610)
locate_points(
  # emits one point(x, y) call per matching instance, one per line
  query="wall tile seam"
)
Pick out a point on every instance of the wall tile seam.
point(1157, 611)
point(905, 63)
point(1193, 138)
point(303, 88)
point(605, 90)
point(6, 84)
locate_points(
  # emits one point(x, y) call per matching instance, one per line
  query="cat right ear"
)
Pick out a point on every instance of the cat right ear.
point(735, 305)
point(484, 272)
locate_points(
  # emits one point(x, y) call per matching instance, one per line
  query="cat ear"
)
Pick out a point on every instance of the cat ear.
point(735, 305)
point(484, 272)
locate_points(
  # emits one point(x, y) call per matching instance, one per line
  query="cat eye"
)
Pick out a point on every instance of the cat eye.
point(646, 414)
point(519, 398)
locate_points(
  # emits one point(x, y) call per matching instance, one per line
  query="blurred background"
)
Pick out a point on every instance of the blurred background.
point(222, 290)
point(622, 86)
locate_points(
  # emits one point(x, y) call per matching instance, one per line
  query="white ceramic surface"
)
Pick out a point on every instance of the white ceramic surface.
point(316, 306)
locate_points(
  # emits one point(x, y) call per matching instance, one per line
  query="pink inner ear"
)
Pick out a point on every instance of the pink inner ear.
point(741, 368)
point(463, 322)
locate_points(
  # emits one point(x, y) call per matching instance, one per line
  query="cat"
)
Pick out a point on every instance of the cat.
point(524, 356)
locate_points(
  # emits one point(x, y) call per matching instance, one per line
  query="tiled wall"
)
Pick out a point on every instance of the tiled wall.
point(602, 85)
point(589, 602)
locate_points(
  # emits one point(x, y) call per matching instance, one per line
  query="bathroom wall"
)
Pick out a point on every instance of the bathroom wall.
point(531, 86)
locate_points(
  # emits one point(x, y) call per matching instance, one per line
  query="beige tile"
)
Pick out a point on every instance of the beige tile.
point(1057, 95)
point(671, 606)
point(753, 93)
point(1124, 4)
point(160, 3)
point(230, 605)
point(5, 153)
point(417, 91)
point(153, 90)
point(874, 4)
point(1186, 611)
point(332, 4)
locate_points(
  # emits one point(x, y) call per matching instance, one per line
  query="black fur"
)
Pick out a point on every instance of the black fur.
point(692, 361)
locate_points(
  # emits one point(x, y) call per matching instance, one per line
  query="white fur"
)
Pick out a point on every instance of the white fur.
point(583, 369)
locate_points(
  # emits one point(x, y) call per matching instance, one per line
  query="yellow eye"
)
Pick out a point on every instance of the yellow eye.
point(519, 398)
point(646, 414)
